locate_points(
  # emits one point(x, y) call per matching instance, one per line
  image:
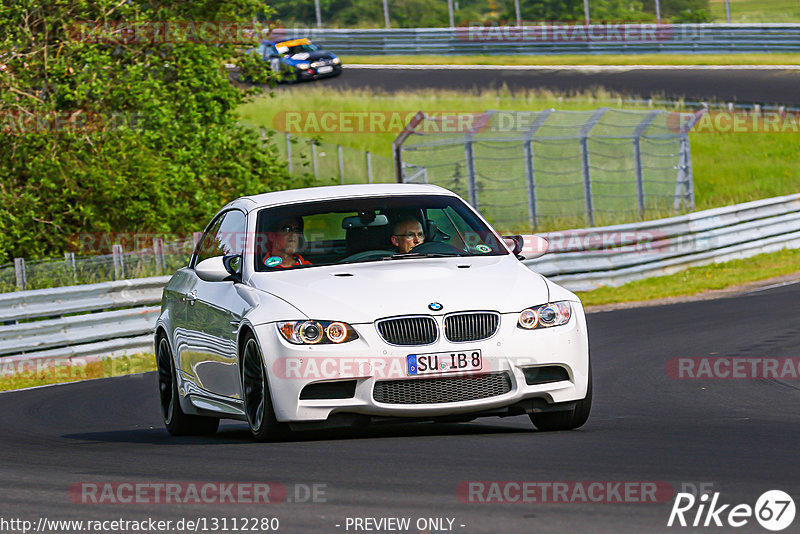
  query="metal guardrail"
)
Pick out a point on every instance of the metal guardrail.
point(583, 260)
point(115, 318)
point(102, 320)
point(632, 38)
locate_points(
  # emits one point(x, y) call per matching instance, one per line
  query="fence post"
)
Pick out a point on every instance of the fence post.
point(22, 275)
point(69, 258)
point(530, 176)
point(469, 156)
point(341, 163)
point(369, 167)
point(289, 151)
point(637, 159)
point(314, 158)
point(158, 252)
point(689, 178)
point(684, 186)
point(587, 176)
point(119, 264)
point(397, 145)
point(684, 178)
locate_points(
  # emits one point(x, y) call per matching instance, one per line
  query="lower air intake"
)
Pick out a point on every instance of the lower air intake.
point(441, 390)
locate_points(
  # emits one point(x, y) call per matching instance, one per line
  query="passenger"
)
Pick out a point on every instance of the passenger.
point(407, 234)
point(284, 242)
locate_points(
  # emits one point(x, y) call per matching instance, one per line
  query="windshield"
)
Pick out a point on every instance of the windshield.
point(297, 49)
point(370, 229)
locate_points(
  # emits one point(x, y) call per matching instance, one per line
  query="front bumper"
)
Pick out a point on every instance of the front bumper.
point(315, 74)
point(370, 359)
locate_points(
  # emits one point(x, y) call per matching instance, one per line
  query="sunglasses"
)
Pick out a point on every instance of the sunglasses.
point(412, 235)
point(290, 229)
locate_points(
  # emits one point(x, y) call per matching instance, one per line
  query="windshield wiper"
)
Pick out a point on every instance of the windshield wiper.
point(402, 256)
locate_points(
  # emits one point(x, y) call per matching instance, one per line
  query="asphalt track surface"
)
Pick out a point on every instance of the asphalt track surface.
point(741, 436)
point(746, 86)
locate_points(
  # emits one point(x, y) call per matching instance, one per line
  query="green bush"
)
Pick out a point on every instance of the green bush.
point(101, 135)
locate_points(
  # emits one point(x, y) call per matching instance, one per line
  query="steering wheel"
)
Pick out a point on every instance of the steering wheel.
point(368, 255)
point(436, 247)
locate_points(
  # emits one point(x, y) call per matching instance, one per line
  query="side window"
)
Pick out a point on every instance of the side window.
point(226, 236)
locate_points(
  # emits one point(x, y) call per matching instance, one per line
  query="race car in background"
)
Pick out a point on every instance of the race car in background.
point(299, 59)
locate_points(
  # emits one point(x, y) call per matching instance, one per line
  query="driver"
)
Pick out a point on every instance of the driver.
point(285, 239)
point(407, 234)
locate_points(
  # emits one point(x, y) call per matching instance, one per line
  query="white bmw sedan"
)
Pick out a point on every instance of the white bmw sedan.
point(347, 305)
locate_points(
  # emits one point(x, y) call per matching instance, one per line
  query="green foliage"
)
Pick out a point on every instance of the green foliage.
point(106, 134)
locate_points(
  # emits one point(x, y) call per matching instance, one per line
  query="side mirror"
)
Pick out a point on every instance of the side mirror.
point(538, 246)
point(219, 268)
point(233, 264)
point(514, 243)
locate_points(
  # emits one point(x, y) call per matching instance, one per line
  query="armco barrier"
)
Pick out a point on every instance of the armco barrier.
point(123, 313)
point(113, 318)
point(583, 260)
point(562, 39)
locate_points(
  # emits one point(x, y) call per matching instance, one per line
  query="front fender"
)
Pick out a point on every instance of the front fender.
point(266, 307)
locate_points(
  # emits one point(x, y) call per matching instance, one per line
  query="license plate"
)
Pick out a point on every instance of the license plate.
point(444, 362)
point(323, 70)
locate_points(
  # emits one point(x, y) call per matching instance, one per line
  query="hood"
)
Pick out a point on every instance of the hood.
point(361, 293)
point(309, 57)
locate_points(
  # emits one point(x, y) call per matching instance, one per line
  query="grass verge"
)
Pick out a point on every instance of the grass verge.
point(756, 10)
point(19, 377)
point(696, 280)
point(584, 59)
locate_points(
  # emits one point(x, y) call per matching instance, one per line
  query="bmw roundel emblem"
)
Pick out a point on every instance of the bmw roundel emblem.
point(435, 306)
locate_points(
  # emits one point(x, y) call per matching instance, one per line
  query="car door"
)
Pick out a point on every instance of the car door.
point(214, 312)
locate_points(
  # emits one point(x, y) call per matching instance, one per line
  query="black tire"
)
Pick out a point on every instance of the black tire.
point(257, 400)
point(566, 420)
point(177, 422)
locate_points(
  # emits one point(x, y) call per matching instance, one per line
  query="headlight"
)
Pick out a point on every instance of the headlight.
point(336, 61)
point(303, 66)
point(316, 332)
point(545, 316)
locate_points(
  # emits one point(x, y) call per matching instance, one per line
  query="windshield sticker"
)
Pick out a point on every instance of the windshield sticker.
point(283, 49)
point(483, 248)
point(273, 261)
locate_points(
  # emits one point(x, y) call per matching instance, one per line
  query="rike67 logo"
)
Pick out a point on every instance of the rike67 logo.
point(774, 510)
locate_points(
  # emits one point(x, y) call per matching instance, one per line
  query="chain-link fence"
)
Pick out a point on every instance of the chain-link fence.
point(548, 169)
point(161, 258)
point(328, 162)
